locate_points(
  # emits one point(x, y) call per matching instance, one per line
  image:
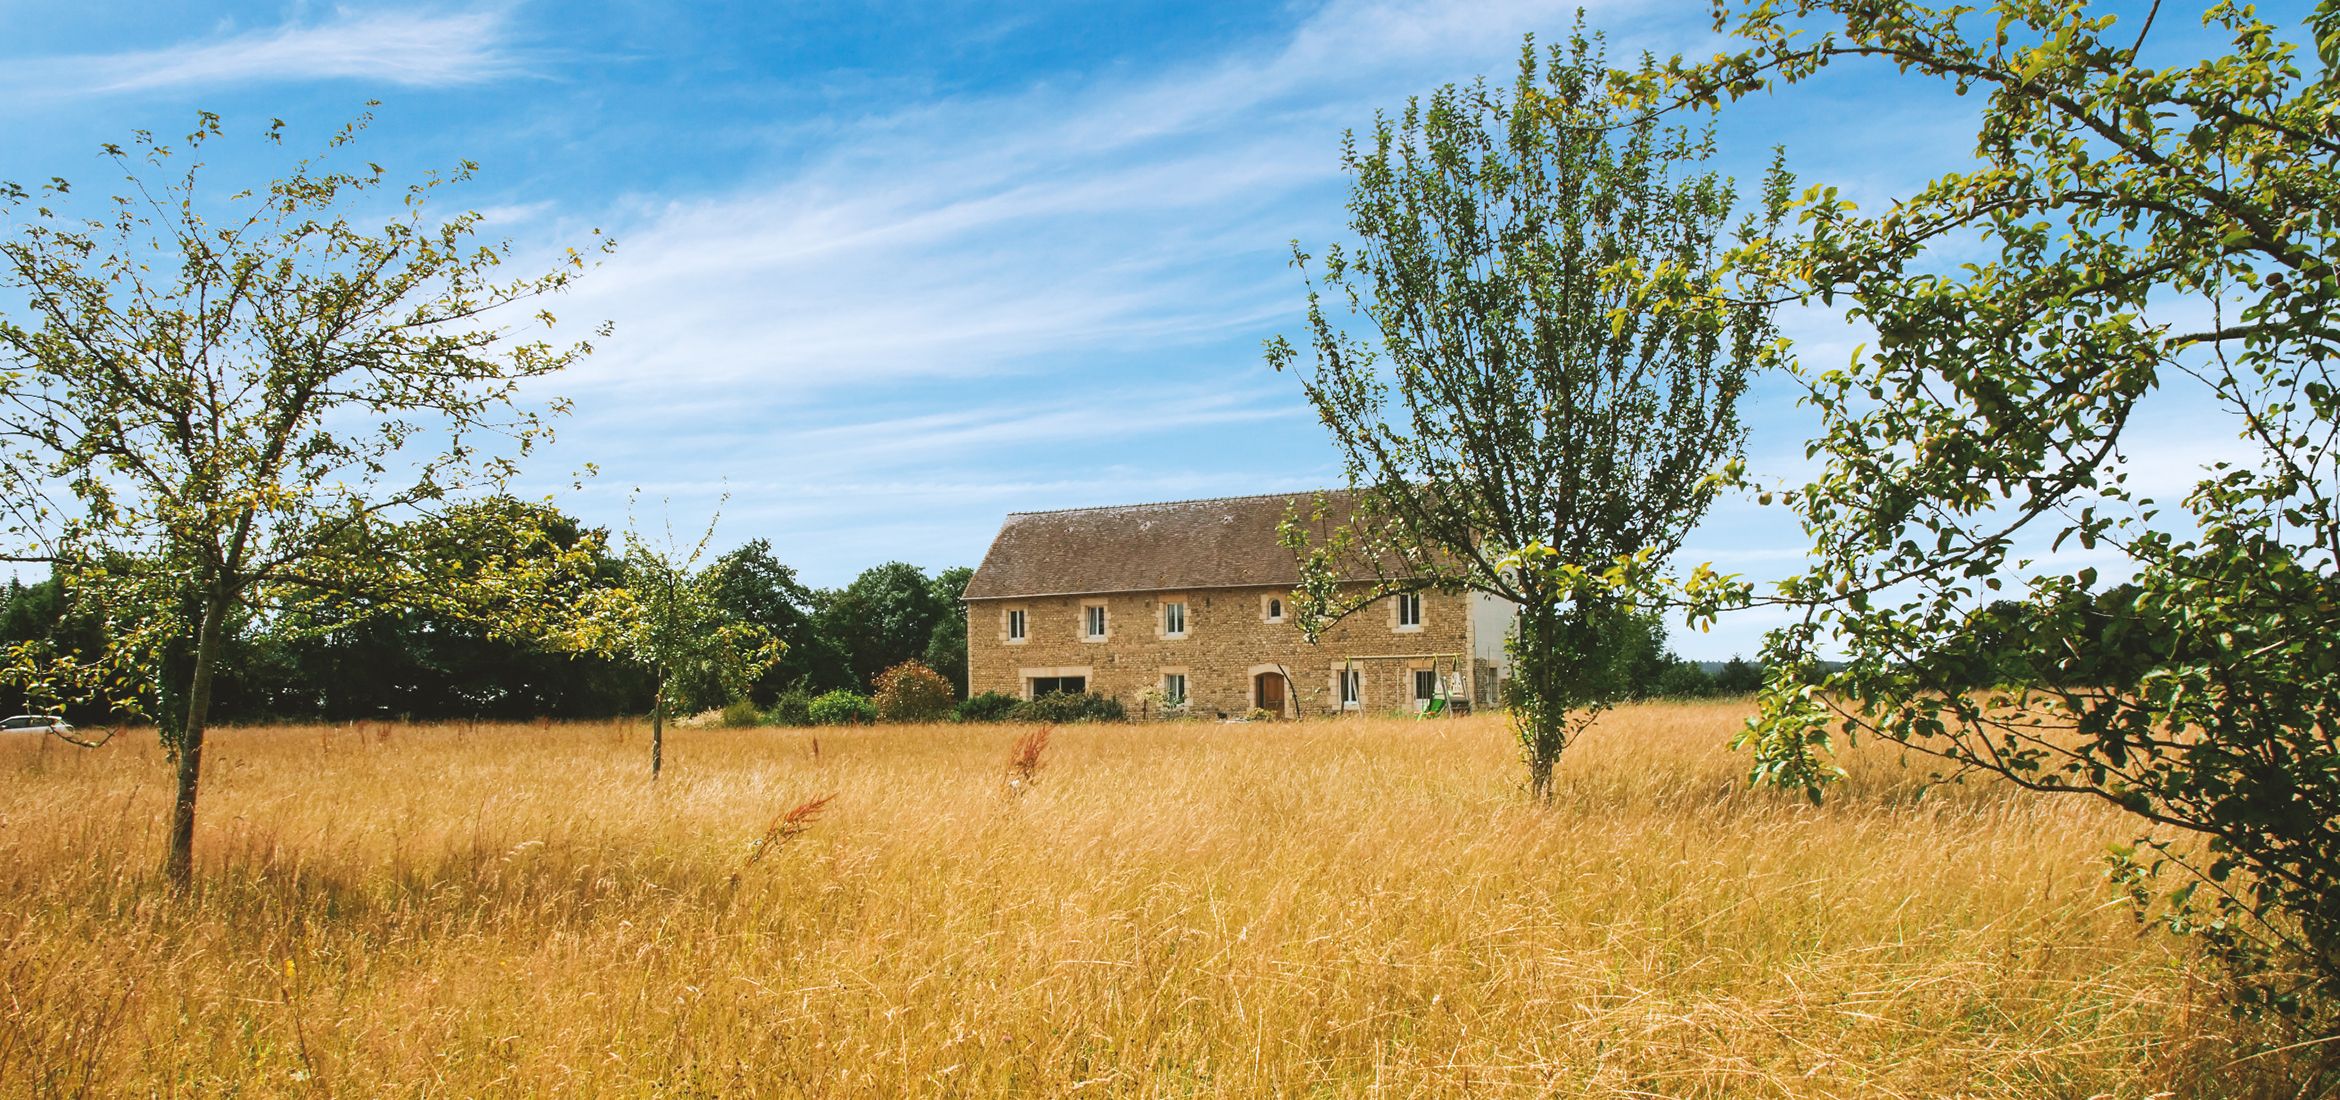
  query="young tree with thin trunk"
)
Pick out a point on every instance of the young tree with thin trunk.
point(1560, 339)
point(205, 421)
point(670, 619)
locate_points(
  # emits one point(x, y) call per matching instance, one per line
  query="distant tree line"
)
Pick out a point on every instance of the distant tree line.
point(415, 664)
point(328, 664)
point(1641, 665)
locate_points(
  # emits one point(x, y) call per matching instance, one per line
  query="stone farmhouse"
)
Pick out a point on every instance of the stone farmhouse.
point(1187, 605)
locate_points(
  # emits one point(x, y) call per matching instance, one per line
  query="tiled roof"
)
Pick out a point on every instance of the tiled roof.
point(1228, 542)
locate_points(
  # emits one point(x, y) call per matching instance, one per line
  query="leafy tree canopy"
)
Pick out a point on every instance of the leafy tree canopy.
point(1559, 332)
point(667, 620)
point(886, 616)
point(751, 586)
point(207, 423)
point(2142, 229)
point(946, 645)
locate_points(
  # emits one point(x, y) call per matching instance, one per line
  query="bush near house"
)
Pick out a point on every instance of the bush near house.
point(991, 706)
point(912, 692)
point(1068, 707)
point(792, 708)
point(841, 708)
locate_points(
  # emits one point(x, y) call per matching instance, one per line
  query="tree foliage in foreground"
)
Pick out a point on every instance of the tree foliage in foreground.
point(209, 423)
point(2144, 229)
point(1559, 341)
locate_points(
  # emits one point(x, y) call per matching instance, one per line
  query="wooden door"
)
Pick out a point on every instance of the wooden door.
point(1270, 692)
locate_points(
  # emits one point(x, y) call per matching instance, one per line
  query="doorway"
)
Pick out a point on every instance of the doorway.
point(1267, 689)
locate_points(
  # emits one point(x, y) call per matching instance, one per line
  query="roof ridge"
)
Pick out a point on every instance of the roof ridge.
point(1168, 503)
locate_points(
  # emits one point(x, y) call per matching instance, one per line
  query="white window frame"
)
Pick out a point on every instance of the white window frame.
point(1408, 601)
point(1093, 614)
point(1350, 682)
point(1271, 608)
point(1176, 698)
point(1019, 627)
point(1174, 615)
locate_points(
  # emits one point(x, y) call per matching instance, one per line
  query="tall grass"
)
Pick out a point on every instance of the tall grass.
point(1339, 908)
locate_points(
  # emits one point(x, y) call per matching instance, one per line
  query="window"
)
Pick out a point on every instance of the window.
point(1352, 687)
point(1015, 625)
point(1093, 622)
point(1409, 611)
point(1425, 685)
point(1054, 685)
point(1275, 609)
point(1174, 620)
point(1174, 689)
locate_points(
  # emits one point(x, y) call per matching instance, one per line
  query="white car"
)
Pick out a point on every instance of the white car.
point(35, 723)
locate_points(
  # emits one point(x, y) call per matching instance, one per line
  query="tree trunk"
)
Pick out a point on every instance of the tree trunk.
point(1538, 707)
point(179, 857)
point(176, 672)
point(658, 728)
point(1540, 767)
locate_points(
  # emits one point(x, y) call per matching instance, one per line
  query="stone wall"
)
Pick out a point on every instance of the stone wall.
point(1230, 640)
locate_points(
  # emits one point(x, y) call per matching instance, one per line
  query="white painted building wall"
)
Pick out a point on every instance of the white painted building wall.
point(1492, 621)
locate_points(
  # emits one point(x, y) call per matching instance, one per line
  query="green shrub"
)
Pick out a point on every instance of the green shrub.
point(991, 706)
point(792, 708)
point(912, 692)
point(1682, 680)
point(841, 708)
point(1068, 707)
point(1739, 677)
point(742, 713)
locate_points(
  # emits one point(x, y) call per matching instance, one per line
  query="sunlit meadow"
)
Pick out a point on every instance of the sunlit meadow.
point(1349, 907)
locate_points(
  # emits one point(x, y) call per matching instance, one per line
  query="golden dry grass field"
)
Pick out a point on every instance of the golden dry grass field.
point(1329, 908)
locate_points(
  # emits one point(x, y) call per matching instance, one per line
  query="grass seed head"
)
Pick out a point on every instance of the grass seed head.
point(1024, 759)
point(786, 827)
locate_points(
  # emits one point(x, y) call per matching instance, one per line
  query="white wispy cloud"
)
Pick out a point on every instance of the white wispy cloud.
point(414, 49)
point(1042, 298)
point(963, 235)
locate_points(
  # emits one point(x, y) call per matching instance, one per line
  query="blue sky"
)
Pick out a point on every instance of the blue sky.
point(887, 271)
